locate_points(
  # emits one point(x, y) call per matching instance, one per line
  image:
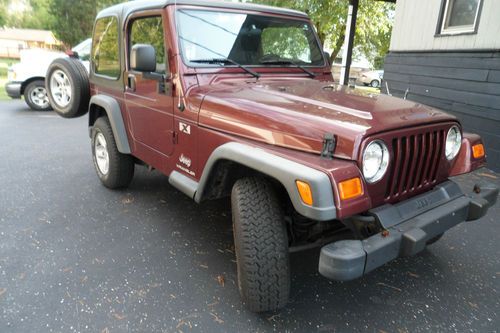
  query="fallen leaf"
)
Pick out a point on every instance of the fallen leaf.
point(220, 280)
point(67, 269)
point(203, 266)
point(388, 286)
point(413, 275)
point(2, 291)
point(273, 317)
point(22, 276)
point(217, 319)
point(127, 200)
point(473, 305)
point(105, 330)
point(487, 175)
point(119, 316)
point(84, 279)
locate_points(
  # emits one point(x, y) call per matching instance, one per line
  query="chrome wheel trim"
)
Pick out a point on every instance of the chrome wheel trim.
point(38, 96)
point(101, 153)
point(60, 88)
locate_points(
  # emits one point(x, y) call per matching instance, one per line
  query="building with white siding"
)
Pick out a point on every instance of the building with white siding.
point(446, 54)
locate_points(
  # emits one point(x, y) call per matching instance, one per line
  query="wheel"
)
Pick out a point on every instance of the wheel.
point(36, 97)
point(261, 244)
point(434, 239)
point(114, 169)
point(375, 84)
point(68, 87)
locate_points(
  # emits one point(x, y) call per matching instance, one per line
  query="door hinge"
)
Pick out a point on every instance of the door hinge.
point(329, 143)
point(175, 137)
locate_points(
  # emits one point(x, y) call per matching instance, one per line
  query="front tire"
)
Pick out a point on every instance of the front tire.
point(261, 245)
point(114, 169)
point(35, 95)
point(375, 84)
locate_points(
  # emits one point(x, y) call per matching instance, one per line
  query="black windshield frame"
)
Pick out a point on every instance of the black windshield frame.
point(188, 63)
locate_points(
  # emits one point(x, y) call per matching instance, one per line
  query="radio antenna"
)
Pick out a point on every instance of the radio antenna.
point(180, 93)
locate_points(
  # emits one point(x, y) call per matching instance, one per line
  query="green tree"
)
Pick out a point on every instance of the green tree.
point(73, 19)
point(3, 12)
point(36, 16)
point(373, 29)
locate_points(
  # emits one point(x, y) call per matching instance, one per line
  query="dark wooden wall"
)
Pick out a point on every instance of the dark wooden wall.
point(466, 84)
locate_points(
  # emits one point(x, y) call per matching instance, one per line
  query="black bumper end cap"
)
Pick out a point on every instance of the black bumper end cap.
point(413, 241)
point(485, 197)
point(343, 260)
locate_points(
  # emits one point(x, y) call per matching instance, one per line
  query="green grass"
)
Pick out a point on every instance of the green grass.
point(8, 61)
point(3, 94)
point(4, 64)
point(369, 89)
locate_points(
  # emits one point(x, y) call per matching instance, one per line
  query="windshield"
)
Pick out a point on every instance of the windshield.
point(250, 40)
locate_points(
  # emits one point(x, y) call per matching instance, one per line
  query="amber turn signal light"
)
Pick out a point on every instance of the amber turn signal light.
point(350, 188)
point(305, 192)
point(478, 150)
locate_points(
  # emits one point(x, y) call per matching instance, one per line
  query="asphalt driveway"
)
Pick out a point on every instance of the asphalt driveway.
point(77, 257)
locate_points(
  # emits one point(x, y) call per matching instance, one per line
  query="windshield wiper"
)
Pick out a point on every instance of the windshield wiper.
point(226, 61)
point(288, 62)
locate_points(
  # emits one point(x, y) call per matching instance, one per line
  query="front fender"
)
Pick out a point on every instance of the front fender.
point(281, 169)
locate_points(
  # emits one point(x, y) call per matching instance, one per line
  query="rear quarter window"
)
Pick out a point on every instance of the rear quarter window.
point(105, 52)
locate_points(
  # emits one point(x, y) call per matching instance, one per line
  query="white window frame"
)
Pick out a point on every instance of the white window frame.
point(458, 29)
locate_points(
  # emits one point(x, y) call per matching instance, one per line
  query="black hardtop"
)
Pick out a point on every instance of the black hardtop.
point(123, 10)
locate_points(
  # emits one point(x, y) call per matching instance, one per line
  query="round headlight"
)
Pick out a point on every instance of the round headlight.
point(453, 143)
point(375, 161)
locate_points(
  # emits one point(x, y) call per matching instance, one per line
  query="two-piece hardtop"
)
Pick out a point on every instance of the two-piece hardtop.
point(236, 100)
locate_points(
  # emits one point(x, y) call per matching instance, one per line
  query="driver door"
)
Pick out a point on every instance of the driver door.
point(149, 101)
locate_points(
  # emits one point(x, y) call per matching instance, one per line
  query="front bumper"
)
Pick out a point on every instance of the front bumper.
point(408, 225)
point(13, 89)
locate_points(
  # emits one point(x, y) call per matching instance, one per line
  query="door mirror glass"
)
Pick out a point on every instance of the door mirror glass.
point(143, 58)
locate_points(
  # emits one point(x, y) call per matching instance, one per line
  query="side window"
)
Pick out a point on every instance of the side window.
point(105, 53)
point(149, 30)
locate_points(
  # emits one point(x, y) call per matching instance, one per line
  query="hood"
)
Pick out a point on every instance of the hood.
point(297, 113)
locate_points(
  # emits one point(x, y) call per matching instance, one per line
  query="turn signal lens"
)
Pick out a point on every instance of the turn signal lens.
point(305, 192)
point(478, 150)
point(350, 188)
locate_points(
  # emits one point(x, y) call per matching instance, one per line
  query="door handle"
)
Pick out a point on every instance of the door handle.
point(131, 85)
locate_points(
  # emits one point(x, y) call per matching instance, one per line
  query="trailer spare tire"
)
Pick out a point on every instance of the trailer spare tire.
point(68, 88)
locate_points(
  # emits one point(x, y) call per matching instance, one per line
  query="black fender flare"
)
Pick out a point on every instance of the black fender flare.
point(285, 171)
point(113, 111)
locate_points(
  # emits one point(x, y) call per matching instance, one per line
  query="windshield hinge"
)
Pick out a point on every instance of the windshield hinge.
point(329, 143)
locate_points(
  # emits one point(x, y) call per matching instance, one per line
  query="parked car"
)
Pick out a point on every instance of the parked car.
point(372, 78)
point(236, 100)
point(27, 78)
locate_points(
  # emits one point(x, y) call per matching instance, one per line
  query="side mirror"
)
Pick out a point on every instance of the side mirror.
point(327, 56)
point(143, 58)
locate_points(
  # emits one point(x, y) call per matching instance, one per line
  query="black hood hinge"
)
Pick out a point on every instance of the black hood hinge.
point(329, 144)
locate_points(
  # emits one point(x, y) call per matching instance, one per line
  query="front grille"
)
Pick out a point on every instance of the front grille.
point(415, 162)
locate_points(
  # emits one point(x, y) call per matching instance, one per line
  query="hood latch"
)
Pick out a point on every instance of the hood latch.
point(329, 144)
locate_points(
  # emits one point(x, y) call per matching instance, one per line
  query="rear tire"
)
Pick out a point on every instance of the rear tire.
point(68, 88)
point(114, 169)
point(35, 95)
point(375, 84)
point(261, 244)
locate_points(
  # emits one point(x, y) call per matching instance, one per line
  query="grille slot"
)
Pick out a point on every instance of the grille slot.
point(415, 162)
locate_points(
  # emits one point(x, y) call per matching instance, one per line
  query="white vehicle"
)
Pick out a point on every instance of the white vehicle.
point(372, 78)
point(28, 76)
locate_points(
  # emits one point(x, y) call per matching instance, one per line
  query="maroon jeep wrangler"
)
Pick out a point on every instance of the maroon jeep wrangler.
point(237, 100)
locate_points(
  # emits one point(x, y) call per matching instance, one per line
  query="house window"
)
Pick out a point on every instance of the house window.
point(460, 16)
